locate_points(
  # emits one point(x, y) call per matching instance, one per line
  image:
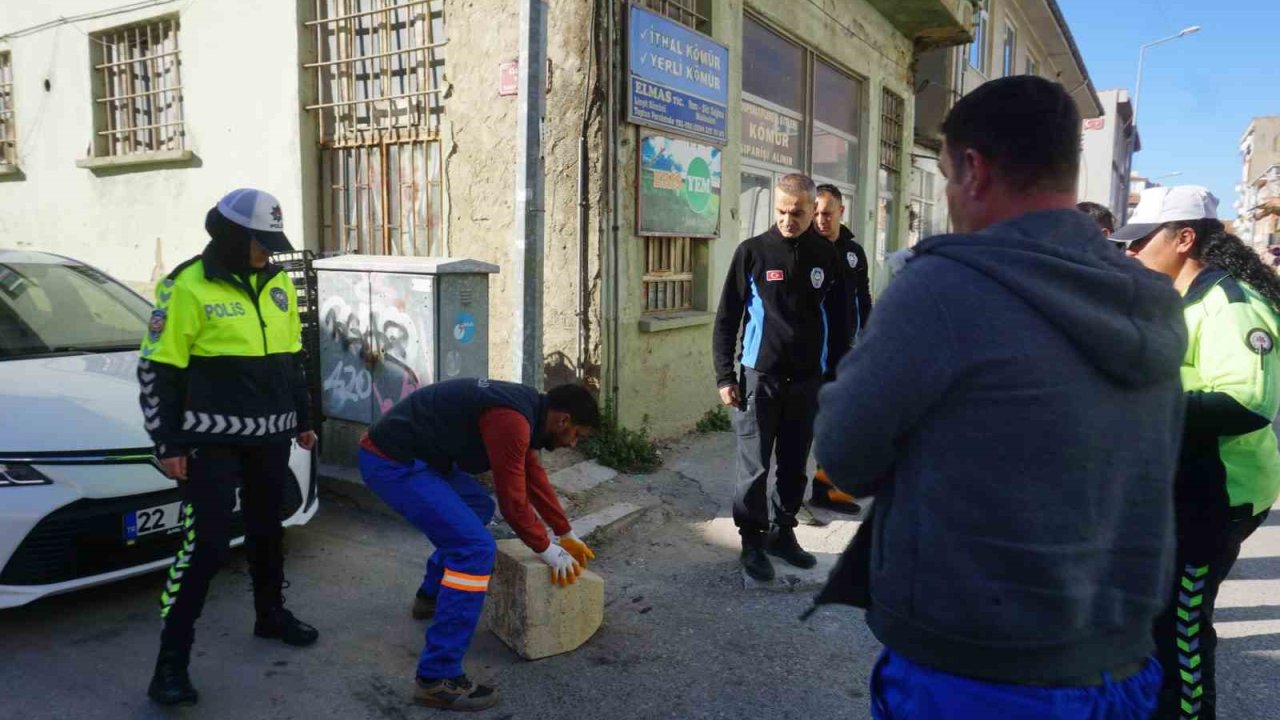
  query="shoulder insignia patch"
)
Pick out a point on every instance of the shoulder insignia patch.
point(1260, 341)
point(156, 325)
point(280, 298)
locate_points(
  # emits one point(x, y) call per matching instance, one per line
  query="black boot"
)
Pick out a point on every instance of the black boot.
point(280, 624)
point(753, 558)
point(783, 544)
point(170, 684)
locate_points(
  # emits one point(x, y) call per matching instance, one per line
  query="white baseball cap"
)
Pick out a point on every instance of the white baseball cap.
point(259, 212)
point(1159, 205)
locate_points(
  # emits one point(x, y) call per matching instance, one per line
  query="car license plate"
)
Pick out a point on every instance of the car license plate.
point(161, 518)
point(147, 521)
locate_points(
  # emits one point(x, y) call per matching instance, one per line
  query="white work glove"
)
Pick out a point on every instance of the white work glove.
point(564, 569)
point(578, 549)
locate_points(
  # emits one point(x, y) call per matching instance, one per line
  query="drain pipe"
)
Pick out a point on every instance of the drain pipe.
point(615, 310)
point(583, 203)
point(527, 249)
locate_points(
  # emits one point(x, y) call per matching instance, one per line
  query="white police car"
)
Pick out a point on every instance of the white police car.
point(82, 499)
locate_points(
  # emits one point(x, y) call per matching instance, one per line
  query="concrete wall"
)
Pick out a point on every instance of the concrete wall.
point(480, 170)
point(667, 376)
point(1104, 162)
point(241, 102)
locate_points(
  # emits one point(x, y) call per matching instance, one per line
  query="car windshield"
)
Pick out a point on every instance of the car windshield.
point(66, 308)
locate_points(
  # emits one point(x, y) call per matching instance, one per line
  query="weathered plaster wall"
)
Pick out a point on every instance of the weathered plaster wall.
point(480, 166)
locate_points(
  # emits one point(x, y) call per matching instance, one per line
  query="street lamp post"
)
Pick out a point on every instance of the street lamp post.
point(1137, 94)
point(1142, 51)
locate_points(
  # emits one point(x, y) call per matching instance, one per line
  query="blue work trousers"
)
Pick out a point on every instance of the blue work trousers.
point(452, 510)
point(905, 690)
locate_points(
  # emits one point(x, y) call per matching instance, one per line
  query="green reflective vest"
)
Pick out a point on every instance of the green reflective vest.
point(1231, 374)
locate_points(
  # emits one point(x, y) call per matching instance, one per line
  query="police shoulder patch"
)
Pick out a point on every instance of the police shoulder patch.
point(1260, 341)
point(280, 298)
point(156, 326)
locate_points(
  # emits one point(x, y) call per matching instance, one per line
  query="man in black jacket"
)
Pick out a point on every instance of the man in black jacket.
point(776, 294)
point(850, 308)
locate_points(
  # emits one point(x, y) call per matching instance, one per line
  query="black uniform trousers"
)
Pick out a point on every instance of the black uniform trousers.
point(1184, 634)
point(208, 502)
point(775, 417)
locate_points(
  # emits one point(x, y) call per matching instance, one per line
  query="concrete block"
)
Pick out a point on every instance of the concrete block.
point(582, 477)
point(535, 617)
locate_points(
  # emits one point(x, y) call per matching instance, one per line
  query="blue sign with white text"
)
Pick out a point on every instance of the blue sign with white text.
point(679, 78)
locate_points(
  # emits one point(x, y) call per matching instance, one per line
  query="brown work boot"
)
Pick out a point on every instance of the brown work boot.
point(454, 694)
point(826, 495)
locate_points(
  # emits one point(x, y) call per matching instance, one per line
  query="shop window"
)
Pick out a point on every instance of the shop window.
point(137, 89)
point(668, 274)
point(8, 136)
point(774, 127)
point(837, 118)
point(694, 13)
point(380, 76)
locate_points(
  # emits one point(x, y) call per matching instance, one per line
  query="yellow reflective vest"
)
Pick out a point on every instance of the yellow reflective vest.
point(221, 362)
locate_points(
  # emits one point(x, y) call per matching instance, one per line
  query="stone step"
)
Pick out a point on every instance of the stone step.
point(580, 478)
point(607, 523)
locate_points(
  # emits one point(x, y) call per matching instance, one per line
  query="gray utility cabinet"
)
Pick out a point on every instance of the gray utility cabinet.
point(390, 325)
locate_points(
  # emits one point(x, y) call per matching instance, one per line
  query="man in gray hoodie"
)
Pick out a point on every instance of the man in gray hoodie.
point(1014, 407)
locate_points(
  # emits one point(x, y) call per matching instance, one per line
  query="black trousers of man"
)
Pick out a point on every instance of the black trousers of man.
point(208, 499)
point(775, 418)
point(1185, 638)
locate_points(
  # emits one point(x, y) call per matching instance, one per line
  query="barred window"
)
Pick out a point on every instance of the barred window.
point(890, 131)
point(8, 135)
point(694, 13)
point(380, 75)
point(137, 89)
point(668, 274)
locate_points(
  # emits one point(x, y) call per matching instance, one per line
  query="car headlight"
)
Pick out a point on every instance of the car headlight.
point(22, 476)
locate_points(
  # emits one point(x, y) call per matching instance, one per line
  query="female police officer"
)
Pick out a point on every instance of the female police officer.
point(1229, 472)
point(223, 394)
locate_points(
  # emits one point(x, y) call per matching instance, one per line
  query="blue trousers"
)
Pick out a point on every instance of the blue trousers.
point(452, 510)
point(904, 690)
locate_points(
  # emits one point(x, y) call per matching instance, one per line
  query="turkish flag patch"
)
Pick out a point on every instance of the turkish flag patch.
point(773, 275)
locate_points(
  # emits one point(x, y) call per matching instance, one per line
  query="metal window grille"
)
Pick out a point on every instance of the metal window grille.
point(693, 13)
point(8, 135)
point(668, 274)
point(138, 89)
point(380, 75)
point(891, 119)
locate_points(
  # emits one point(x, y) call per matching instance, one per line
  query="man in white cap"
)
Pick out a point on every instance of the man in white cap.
point(224, 395)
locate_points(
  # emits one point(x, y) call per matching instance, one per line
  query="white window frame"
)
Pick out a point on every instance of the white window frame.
point(8, 131)
point(1032, 64)
point(1009, 56)
point(977, 50)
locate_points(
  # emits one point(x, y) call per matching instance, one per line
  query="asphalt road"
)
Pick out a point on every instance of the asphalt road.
point(681, 639)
